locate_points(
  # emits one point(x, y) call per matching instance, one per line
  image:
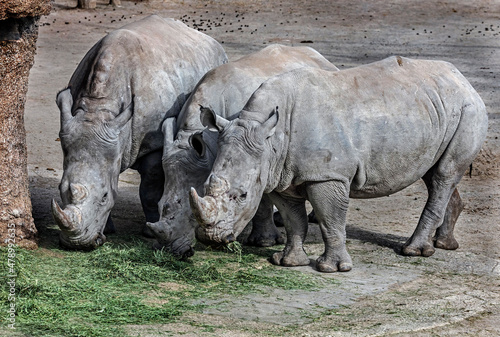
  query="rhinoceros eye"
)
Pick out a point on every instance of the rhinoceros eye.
point(104, 197)
point(241, 198)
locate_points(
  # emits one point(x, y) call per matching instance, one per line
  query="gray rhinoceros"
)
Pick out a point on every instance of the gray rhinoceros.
point(364, 132)
point(111, 116)
point(188, 159)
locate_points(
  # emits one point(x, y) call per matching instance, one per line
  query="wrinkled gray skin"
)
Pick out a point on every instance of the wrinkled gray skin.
point(188, 159)
point(364, 132)
point(111, 117)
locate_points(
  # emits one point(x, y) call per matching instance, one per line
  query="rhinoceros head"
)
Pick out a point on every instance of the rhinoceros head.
point(91, 143)
point(187, 161)
point(238, 178)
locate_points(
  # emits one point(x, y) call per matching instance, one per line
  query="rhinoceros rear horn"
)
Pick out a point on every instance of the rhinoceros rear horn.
point(78, 192)
point(204, 209)
point(217, 186)
point(64, 101)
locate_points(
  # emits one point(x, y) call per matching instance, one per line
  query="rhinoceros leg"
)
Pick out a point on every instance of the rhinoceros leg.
point(151, 187)
point(312, 217)
point(330, 201)
point(278, 220)
point(444, 237)
point(441, 183)
point(295, 220)
point(442, 179)
point(264, 232)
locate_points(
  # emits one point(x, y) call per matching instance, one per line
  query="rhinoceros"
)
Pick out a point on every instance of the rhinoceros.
point(111, 117)
point(325, 137)
point(188, 159)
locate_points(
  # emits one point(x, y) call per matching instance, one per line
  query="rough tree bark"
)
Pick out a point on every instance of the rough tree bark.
point(92, 4)
point(87, 4)
point(18, 35)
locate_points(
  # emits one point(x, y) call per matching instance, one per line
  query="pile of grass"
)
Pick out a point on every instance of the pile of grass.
point(65, 293)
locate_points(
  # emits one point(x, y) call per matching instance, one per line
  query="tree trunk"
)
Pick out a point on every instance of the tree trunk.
point(87, 4)
point(17, 51)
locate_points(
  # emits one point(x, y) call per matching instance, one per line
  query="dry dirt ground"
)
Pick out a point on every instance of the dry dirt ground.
point(448, 294)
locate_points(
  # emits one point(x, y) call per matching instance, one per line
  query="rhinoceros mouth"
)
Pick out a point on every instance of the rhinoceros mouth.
point(85, 242)
point(87, 239)
point(180, 247)
point(74, 234)
point(215, 235)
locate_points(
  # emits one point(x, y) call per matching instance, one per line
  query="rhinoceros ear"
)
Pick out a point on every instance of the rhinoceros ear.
point(269, 126)
point(198, 143)
point(64, 101)
point(168, 128)
point(210, 120)
point(122, 119)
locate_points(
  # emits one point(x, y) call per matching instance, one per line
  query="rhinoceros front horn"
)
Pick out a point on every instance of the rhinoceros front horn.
point(204, 209)
point(68, 219)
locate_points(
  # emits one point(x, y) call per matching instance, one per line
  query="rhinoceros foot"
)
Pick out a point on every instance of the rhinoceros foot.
point(327, 264)
point(293, 258)
point(446, 242)
point(411, 249)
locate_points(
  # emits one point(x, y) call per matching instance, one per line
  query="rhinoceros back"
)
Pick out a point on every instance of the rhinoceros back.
point(228, 87)
point(153, 63)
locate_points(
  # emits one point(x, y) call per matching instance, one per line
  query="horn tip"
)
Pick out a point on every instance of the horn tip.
point(193, 196)
point(193, 192)
point(55, 205)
